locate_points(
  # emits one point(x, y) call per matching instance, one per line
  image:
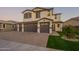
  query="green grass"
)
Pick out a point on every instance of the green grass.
point(58, 43)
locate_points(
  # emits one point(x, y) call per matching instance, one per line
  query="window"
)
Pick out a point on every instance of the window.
point(37, 14)
point(58, 25)
point(3, 25)
point(27, 15)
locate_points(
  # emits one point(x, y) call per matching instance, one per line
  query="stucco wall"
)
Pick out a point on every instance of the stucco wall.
point(42, 15)
point(58, 28)
point(8, 27)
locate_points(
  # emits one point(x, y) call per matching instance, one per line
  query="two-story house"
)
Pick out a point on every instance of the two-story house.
point(41, 20)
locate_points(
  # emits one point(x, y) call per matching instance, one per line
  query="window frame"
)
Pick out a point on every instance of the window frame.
point(38, 15)
point(27, 15)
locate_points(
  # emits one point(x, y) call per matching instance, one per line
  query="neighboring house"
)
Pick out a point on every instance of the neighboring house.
point(72, 22)
point(7, 25)
point(40, 20)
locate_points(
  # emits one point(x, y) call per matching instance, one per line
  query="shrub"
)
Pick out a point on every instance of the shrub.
point(60, 33)
point(69, 31)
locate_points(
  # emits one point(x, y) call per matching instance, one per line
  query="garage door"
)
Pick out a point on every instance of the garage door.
point(30, 28)
point(44, 27)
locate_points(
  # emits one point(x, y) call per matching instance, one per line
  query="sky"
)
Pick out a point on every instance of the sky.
point(15, 13)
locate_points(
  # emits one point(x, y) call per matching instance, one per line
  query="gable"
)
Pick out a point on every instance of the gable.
point(25, 11)
point(39, 9)
point(45, 20)
point(28, 12)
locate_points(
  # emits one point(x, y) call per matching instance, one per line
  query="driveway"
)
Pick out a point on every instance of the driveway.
point(38, 39)
point(6, 45)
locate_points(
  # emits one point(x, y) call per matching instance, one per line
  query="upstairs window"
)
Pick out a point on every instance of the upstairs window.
point(27, 15)
point(37, 14)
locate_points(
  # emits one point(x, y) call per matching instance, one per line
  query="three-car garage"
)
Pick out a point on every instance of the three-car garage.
point(32, 27)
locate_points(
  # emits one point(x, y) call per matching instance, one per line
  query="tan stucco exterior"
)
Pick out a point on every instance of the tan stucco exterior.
point(58, 28)
point(43, 15)
point(8, 27)
point(46, 16)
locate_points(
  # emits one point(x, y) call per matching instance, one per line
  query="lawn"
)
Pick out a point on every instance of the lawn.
point(58, 43)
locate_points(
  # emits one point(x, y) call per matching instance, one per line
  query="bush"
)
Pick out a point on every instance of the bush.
point(69, 31)
point(77, 31)
point(60, 33)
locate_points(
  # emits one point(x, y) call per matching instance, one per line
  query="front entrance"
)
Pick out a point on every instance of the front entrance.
point(44, 27)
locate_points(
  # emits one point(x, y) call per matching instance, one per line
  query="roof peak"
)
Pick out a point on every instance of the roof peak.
point(43, 8)
point(73, 18)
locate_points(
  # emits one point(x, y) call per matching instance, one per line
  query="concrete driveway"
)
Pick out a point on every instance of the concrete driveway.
point(6, 45)
point(38, 39)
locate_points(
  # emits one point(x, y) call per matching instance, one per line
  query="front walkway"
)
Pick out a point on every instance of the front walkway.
point(6, 45)
point(55, 33)
point(38, 39)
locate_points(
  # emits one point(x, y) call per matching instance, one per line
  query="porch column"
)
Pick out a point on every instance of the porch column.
point(5, 25)
point(1, 27)
point(22, 27)
point(50, 29)
point(18, 27)
point(38, 27)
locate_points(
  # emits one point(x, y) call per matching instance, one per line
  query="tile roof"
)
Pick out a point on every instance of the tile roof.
point(43, 8)
point(8, 22)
